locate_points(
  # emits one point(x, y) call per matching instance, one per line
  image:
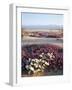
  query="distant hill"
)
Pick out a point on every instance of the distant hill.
point(50, 27)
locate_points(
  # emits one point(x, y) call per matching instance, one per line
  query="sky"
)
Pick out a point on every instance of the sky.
point(36, 19)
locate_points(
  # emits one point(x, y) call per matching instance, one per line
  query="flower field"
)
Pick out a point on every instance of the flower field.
point(41, 60)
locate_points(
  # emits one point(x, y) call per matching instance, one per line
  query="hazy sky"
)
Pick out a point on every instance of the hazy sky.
point(32, 19)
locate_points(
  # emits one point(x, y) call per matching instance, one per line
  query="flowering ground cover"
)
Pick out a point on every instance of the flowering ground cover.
point(41, 60)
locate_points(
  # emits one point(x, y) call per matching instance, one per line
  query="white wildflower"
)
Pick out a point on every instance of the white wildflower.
point(36, 65)
point(33, 59)
point(27, 66)
point(40, 60)
point(29, 59)
point(36, 60)
point(31, 63)
point(39, 66)
point(41, 55)
point(43, 61)
point(46, 63)
point(42, 67)
point(31, 68)
point(51, 55)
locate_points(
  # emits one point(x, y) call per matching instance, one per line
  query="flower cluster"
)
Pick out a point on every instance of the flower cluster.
point(38, 65)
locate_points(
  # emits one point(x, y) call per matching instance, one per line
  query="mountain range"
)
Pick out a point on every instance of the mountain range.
point(50, 27)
